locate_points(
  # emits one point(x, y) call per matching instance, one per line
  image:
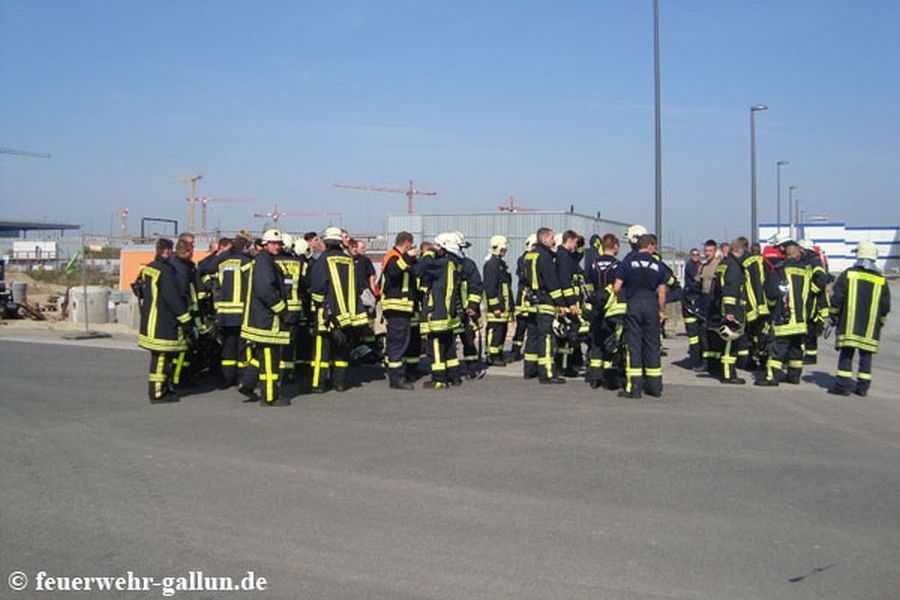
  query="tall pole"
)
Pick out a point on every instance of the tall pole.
point(754, 228)
point(791, 220)
point(658, 123)
point(778, 166)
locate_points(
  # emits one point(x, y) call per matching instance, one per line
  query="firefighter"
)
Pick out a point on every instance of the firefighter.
point(711, 259)
point(606, 323)
point(441, 274)
point(469, 329)
point(818, 301)
point(570, 274)
point(544, 296)
point(757, 326)
point(690, 311)
point(398, 300)
point(339, 313)
point(860, 303)
point(164, 319)
point(265, 308)
point(186, 280)
point(728, 301)
point(787, 292)
point(418, 328)
point(522, 308)
point(292, 273)
point(643, 279)
point(305, 339)
point(497, 286)
point(228, 300)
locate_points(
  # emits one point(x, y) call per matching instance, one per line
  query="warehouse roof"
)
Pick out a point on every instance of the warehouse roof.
point(7, 227)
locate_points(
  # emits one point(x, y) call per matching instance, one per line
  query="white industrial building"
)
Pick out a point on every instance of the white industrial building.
point(839, 240)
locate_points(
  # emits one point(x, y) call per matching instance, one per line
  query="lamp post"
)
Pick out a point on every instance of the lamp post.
point(791, 219)
point(657, 122)
point(754, 228)
point(778, 166)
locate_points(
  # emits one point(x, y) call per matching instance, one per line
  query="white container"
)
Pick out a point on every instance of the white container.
point(96, 304)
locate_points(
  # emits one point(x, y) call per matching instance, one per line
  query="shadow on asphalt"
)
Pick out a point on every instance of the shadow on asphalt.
point(820, 378)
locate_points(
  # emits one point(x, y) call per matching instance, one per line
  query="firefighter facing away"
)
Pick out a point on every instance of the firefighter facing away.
point(860, 303)
point(164, 318)
point(497, 292)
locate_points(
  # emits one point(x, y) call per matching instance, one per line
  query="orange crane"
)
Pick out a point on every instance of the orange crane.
point(192, 199)
point(511, 207)
point(409, 192)
point(204, 200)
point(275, 214)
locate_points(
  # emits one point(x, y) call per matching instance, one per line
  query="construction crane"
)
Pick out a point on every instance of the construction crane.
point(24, 153)
point(192, 199)
point(511, 207)
point(276, 214)
point(204, 200)
point(409, 192)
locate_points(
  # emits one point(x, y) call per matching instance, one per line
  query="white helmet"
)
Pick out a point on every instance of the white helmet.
point(449, 242)
point(461, 240)
point(530, 241)
point(332, 234)
point(557, 241)
point(866, 250)
point(806, 244)
point(288, 240)
point(634, 232)
point(272, 235)
point(779, 239)
point(499, 243)
point(730, 331)
point(301, 247)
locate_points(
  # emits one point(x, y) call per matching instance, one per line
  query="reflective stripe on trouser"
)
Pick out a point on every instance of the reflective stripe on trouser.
point(811, 344)
point(518, 340)
point(496, 338)
point(540, 346)
point(728, 353)
point(269, 358)
point(692, 329)
point(159, 374)
point(468, 338)
point(845, 369)
point(399, 333)
point(414, 348)
point(231, 345)
point(331, 359)
point(642, 368)
point(180, 368)
point(786, 350)
point(444, 364)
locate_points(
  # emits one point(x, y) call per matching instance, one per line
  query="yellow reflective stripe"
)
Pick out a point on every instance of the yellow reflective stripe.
point(847, 374)
point(729, 300)
point(279, 306)
point(653, 372)
point(864, 376)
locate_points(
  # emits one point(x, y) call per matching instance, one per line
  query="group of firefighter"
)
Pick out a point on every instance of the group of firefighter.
point(278, 309)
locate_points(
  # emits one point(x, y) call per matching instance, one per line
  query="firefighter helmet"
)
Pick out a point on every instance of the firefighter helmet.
point(806, 244)
point(272, 235)
point(634, 232)
point(730, 330)
point(866, 250)
point(301, 247)
point(288, 240)
point(530, 241)
point(498, 244)
point(332, 234)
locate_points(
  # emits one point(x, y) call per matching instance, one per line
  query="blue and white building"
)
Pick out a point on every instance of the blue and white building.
point(839, 240)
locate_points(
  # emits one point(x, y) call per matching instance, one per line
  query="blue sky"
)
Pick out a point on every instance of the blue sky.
point(549, 101)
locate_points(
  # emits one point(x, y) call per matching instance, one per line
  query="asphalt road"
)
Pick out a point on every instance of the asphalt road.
point(501, 489)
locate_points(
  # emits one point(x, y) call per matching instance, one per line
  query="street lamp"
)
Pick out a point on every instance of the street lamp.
point(791, 219)
point(657, 122)
point(778, 166)
point(754, 229)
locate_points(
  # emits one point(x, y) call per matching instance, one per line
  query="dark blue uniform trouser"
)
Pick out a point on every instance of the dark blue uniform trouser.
point(160, 374)
point(786, 351)
point(398, 336)
point(540, 346)
point(845, 369)
point(642, 368)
